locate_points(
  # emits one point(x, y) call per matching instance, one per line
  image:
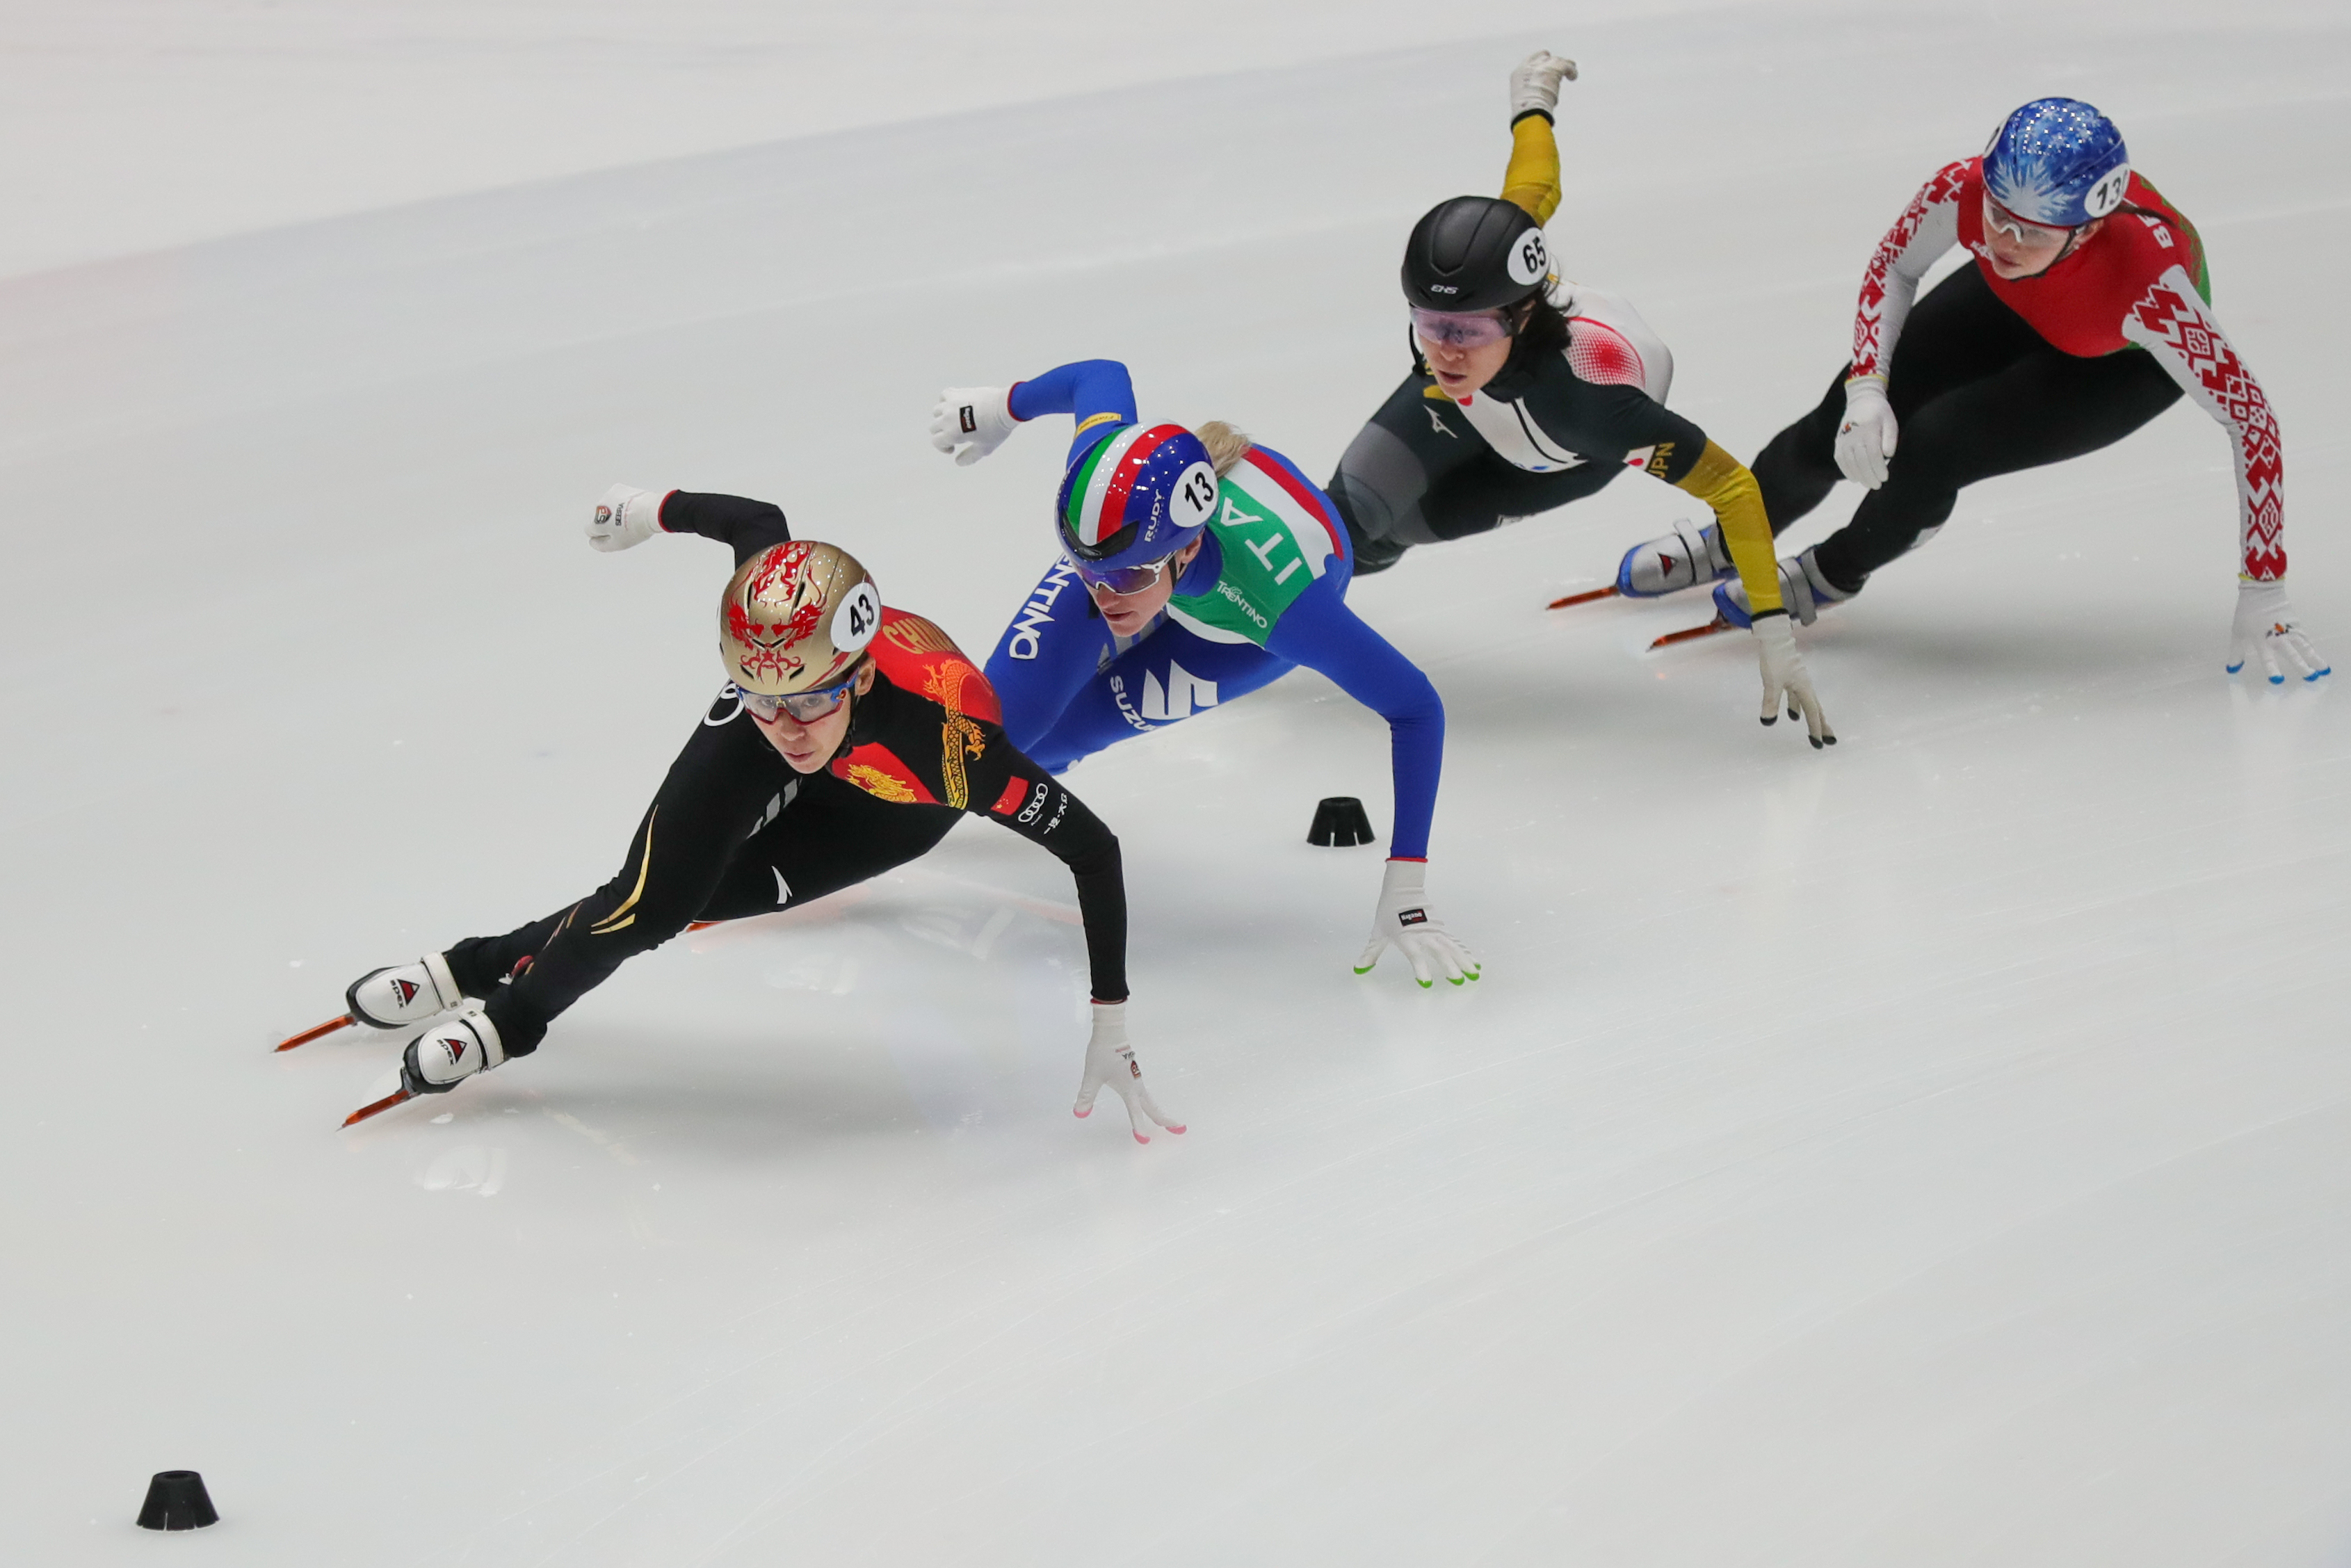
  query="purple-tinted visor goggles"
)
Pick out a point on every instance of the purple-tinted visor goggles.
point(1462, 329)
point(1123, 580)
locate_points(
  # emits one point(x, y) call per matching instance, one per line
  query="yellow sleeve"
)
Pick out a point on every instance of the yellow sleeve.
point(1723, 483)
point(1533, 178)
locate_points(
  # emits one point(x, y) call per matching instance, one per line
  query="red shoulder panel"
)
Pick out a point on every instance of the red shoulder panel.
point(917, 657)
point(876, 769)
point(1599, 353)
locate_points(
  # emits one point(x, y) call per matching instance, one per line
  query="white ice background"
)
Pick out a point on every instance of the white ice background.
point(1933, 1152)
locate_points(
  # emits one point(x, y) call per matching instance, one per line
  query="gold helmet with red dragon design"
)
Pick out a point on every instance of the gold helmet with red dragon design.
point(796, 617)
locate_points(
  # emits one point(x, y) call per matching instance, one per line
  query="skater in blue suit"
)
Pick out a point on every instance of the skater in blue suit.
point(1196, 567)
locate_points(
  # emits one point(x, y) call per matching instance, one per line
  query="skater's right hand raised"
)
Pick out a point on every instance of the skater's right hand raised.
point(1111, 1061)
point(974, 419)
point(625, 516)
point(1785, 679)
point(1866, 440)
point(1534, 86)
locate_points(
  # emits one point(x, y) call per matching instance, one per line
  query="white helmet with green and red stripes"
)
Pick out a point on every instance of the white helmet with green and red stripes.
point(1133, 498)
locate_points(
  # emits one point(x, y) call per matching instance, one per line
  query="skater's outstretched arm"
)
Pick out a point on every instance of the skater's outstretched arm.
point(1041, 809)
point(1009, 787)
point(1321, 633)
point(972, 421)
point(1730, 491)
point(932, 731)
point(1057, 639)
point(625, 516)
point(1097, 393)
point(2174, 324)
point(1531, 180)
point(1724, 484)
point(1664, 444)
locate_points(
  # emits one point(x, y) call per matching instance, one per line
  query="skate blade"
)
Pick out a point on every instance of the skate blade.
point(1597, 594)
point(386, 1103)
point(1693, 633)
point(307, 1035)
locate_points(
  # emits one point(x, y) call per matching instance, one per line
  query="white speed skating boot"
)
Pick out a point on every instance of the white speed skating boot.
point(439, 1060)
point(405, 994)
point(1683, 558)
point(447, 1055)
point(1802, 589)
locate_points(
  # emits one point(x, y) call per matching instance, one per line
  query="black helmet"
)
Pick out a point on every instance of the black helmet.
point(1474, 253)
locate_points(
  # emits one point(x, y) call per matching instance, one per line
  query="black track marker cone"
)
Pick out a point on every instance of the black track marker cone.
point(176, 1500)
point(1339, 821)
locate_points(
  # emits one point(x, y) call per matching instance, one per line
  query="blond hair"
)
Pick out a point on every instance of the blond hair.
point(1226, 446)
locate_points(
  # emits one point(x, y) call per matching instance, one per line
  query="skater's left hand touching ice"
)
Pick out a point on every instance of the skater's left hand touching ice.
point(1110, 1059)
point(1786, 682)
point(2269, 636)
point(1403, 919)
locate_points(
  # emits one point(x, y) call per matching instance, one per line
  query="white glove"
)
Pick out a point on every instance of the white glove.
point(2269, 636)
point(626, 517)
point(1404, 919)
point(1865, 442)
point(1535, 84)
point(1785, 679)
point(977, 419)
point(1110, 1059)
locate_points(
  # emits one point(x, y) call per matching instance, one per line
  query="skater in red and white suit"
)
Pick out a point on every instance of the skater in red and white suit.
point(2086, 314)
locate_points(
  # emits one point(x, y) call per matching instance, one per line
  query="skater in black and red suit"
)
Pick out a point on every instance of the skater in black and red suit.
point(850, 739)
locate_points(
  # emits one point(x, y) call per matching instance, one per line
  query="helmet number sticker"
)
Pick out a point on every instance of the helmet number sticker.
point(859, 617)
point(2107, 194)
point(1195, 499)
point(1530, 258)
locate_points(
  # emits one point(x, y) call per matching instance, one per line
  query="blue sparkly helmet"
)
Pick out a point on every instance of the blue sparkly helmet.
point(2057, 162)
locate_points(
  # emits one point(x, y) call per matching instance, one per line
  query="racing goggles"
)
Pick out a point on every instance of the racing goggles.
point(1123, 580)
point(805, 708)
point(1997, 219)
point(1462, 329)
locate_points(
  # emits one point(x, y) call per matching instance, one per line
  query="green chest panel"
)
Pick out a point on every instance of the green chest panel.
point(1271, 551)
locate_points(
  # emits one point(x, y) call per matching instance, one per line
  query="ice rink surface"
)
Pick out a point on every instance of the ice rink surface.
point(1934, 1151)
